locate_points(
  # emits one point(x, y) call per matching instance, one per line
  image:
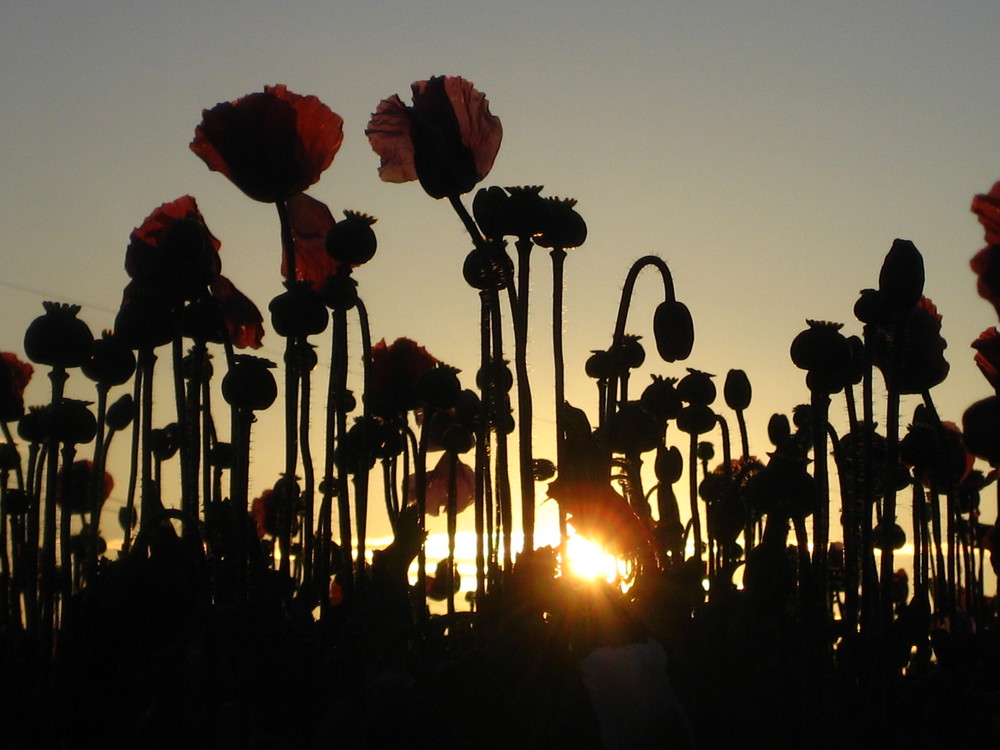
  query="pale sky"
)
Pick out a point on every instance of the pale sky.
point(770, 152)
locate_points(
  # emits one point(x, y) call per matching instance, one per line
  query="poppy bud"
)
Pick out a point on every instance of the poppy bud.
point(705, 451)
point(542, 469)
point(598, 365)
point(352, 241)
point(669, 464)
point(58, 338)
point(164, 442)
point(298, 311)
point(489, 209)
point(125, 519)
point(111, 362)
point(249, 383)
point(736, 390)
point(825, 353)
point(121, 413)
point(673, 330)
point(696, 419)
point(981, 428)
point(779, 429)
point(563, 226)
point(697, 387)
point(660, 398)
point(901, 280)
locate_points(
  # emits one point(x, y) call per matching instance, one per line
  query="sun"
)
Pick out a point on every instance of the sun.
point(589, 560)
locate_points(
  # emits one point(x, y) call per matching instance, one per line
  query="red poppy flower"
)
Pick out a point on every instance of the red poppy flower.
point(436, 496)
point(393, 376)
point(264, 510)
point(172, 250)
point(448, 139)
point(311, 222)
point(14, 378)
point(987, 348)
point(243, 320)
point(987, 208)
point(271, 145)
point(986, 265)
point(913, 361)
point(76, 486)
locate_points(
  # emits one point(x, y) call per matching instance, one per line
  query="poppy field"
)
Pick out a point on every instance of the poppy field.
point(758, 597)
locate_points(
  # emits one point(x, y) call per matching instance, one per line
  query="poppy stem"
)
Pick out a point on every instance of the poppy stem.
point(470, 225)
point(558, 256)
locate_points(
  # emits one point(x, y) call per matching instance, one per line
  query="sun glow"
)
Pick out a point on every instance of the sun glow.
point(589, 560)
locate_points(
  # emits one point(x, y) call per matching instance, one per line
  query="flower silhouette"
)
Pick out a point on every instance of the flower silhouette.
point(447, 140)
point(311, 222)
point(394, 372)
point(14, 378)
point(271, 145)
point(987, 208)
point(987, 358)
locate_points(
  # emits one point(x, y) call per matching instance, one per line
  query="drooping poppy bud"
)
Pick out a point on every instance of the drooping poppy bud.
point(58, 338)
point(737, 391)
point(673, 330)
point(901, 280)
point(352, 242)
point(112, 361)
point(249, 384)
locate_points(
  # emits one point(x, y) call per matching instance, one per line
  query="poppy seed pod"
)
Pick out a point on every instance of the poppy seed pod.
point(298, 311)
point(72, 422)
point(598, 365)
point(341, 293)
point(497, 374)
point(697, 387)
point(488, 268)
point(542, 469)
point(630, 354)
point(438, 387)
point(563, 226)
point(901, 280)
point(673, 330)
point(696, 419)
point(352, 241)
point(660, 398)
point(249, 383)
point(737, 390)
point(58, 338)
point(894, 535)
point(111, 363)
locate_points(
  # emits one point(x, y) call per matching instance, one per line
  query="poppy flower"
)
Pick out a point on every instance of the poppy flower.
point(14, 378)
point(311, 222)
point(987, 348)
point(242, 318)
point(393, 376)
point(271, 145)
point(437, 486)
point(912, 362)
point(447, 139)
point(173, 251)
point(987, 208)
point(264, 510)
point(986, 265)
point(76, 486)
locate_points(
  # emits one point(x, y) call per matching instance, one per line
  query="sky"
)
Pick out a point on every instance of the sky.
point(770, 152)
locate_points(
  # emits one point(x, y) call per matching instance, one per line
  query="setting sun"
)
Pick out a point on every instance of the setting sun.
point(587, 559)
